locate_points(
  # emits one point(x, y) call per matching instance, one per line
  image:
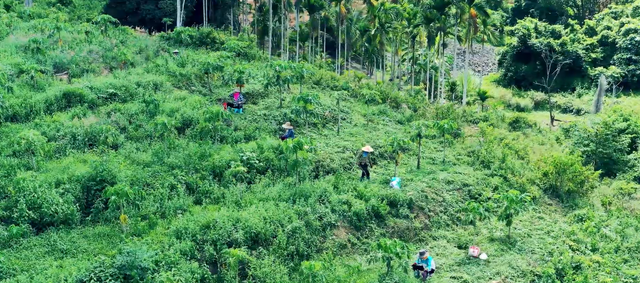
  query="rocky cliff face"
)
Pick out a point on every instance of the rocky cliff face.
point(483, 60)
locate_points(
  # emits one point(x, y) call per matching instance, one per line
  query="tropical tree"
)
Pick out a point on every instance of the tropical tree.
point(553, 63)
point(271, 29)
point(482, 96)
point(397, 146)
point(393, 253)
point(441, 8)
point(420, 132)
point(304, 106)
point(300, 73)
point(341, 12)
point(297, 154)
point(180, 12)
point(119, 197)
point(414, 24)
point(512, 204)
point(298, 7)
point(167, 22)
point(429, 17)
point(475, 12)
point(213, 122)
point(445, 130)
point(105, 22)
point(278, 77)
point(474, 212)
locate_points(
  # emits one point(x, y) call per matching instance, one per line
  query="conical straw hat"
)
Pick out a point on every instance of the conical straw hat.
point(287, 125)
point(367, 149)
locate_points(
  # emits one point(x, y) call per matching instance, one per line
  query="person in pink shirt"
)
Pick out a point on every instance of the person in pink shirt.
point(237, 101)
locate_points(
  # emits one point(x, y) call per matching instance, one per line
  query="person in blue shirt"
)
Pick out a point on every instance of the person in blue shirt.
point(424, 266)
point(289, 134)
point(364, 162)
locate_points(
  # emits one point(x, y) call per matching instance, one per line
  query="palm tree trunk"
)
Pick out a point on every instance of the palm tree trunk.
point(339, 38)
point(255, 21)
point(310, 57)
point(382, 65)
point(346, 45)
point(373, 69)
point(286, 36)
point(419, 151)
point(319, 44)
point(178, 14)
point(282, 32)
point(204, 13)
point(324, 40)
point(466, 75)
point(297, 35)
point(395, 171)
point(441, 79)
point(455, 49)
point(231, 20)
point(393, 61)
point(433, 85)
point(428, 71)
point(309, 53)
point(413, 63)
point(339, 117)
point(270, 26)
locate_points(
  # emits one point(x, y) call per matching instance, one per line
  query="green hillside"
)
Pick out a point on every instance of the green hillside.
point(118, 162)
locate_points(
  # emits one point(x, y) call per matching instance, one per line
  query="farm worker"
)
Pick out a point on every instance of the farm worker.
point(288, 134)
point(364, 162)
point(237, 101)
point(424, 266)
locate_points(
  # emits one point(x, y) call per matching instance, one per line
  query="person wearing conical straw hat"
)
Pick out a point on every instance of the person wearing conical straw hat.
point(289, 134)
point(364, 162)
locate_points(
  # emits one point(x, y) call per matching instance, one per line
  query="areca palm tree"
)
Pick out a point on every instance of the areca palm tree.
point(381, 16)
point(429, 17)
point(413, 21)
point(298, 8)
point(474, 10)
point(341, 12)
point(442, 7)
point(489, 34)
point(270, 26)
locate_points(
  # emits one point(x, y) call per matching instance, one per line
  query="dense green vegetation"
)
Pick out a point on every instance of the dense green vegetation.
point(118, 163)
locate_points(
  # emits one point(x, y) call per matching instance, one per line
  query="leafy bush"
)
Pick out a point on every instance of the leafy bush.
point(133, 264)
point(520, 104)
point(38, 204)
point(520, 123)
point(563, 176)
point(609, 143)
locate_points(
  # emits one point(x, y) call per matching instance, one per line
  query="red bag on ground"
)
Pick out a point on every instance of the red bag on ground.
point(474, 251)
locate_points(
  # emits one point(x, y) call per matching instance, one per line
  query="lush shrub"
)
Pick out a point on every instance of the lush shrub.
point(563, 176)
point(38, 204)
point(207, 38)
point(519, 123)
point(609, 143)
point(520, 104)
point(133, 264)
point(628, 55)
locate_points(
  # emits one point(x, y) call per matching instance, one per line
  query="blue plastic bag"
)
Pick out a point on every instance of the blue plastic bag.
point(395, 183)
